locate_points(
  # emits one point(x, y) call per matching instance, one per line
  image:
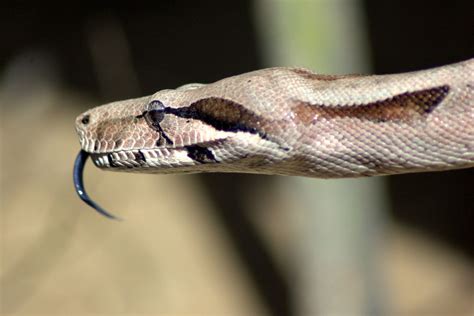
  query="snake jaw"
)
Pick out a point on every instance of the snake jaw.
point(197, 157)
point(226, 154)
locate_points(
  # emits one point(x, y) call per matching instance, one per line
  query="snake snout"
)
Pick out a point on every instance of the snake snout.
point(95, 132)
point(83, 120)
point(83, 123)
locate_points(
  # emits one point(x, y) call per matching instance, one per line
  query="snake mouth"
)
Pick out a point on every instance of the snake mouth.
point(121, 159)
point(147, 161)
point(160, 160)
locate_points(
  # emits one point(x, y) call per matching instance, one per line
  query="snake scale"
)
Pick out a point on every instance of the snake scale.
point(289, 121)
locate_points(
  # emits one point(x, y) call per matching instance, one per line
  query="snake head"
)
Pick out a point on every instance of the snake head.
point(186, 130)
point(220, 127)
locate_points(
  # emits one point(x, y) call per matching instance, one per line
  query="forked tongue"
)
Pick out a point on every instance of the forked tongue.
point(79, 184)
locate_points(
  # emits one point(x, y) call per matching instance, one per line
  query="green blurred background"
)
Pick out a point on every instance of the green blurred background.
point(219, 244)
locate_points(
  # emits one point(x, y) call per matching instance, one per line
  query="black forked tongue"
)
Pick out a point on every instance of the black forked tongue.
point(79, 184)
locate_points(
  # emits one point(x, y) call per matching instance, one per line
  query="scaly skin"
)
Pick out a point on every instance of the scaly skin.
point(291, 121)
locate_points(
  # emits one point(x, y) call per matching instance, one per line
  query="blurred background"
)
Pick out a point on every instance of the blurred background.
point(219, 244)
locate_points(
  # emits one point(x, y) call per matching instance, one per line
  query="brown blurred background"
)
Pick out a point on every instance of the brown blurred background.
point(219, 244)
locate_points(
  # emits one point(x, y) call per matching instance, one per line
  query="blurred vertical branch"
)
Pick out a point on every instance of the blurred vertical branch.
point(111, 56)
point(339, 221)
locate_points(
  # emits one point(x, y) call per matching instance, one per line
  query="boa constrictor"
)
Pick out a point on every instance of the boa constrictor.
point(289, 121)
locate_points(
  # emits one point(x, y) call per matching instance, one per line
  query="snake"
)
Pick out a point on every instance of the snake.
point(289, 121)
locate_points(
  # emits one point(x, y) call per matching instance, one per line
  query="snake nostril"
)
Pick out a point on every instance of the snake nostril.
point(85, 120)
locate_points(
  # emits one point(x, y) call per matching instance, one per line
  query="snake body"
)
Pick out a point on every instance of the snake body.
point(291, 121)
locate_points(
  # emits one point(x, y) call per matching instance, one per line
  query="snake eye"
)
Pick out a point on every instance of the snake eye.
point(155, 112)
point(155, 105)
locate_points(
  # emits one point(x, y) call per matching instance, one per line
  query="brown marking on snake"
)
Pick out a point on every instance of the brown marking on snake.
point(399, 108)
point(104, 128)
point(139, 156)
point(115, 130)
point(101, 130)
point(200, 154)
point(306, 74)
point(222, 114)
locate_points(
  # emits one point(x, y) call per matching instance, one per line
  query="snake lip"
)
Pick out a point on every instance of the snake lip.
point(145, 160)
point(153, 158)
point(119, 159)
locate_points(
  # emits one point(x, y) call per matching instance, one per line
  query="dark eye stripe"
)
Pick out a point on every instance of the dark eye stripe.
point(222, 114)
point(154, 115)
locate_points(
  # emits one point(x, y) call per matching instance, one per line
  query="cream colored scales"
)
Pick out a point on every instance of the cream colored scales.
point(290, 121)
